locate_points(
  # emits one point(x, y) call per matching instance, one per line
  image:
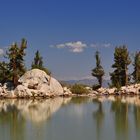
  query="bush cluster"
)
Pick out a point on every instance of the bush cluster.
point(79, 89)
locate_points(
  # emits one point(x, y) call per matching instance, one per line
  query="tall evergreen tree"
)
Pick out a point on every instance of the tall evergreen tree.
point(121, 61)
point(98, 71)
point(136, 64)
point(38, 63)
point(16, 55)
point(4, 72)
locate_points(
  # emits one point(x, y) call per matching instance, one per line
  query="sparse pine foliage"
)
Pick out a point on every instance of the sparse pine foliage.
point(120, 77)
point(136, 64)
point(38, 63)
point(98, 71)
point(16, 54)
point(4, 72)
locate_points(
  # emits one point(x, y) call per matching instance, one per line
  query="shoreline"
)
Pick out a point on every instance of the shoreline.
point(128, 91)
point(90, 95)
point(128, 99)
point(37, 84)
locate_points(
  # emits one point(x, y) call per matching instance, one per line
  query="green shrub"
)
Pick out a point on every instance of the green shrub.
point(79, 89)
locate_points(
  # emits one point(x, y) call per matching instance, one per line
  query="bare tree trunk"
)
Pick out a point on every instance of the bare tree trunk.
point(15, 76)
point(126, 76)
point(100, 81)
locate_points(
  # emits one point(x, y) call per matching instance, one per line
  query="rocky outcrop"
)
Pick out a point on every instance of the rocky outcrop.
point(36, 83)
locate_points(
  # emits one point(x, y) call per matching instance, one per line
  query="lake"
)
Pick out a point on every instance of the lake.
point(104, 118)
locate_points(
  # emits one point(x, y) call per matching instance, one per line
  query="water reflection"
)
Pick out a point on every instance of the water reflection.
point(80, 100)
point(137, 117)
point(32, 110)
point(101, 118)
point(125, 112)
point(12, 120)
point(98, 115)
point(120, 111)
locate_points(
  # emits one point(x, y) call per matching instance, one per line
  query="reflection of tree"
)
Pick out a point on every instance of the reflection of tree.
point(98, 115)
point(137, 117)
point(121, 117)
point(79, 100)
point(12, 119)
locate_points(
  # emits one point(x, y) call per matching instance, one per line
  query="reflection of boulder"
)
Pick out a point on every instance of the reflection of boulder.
point(37, 83)
point(34, 110)
point(132, 100)
point(124, 99)
point(39, 111)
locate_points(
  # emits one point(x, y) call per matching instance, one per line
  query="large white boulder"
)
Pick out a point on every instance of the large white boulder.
point(55, 87)
point(22, 91)
point(34, 78)
point(37, 83)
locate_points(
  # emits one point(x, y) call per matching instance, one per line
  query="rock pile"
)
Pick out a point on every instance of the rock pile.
point(133, 89)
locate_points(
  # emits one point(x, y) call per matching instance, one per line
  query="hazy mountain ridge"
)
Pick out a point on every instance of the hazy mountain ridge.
point(89, 82)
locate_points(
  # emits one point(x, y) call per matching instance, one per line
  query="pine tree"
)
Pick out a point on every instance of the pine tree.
point(4, 72)
point(98, 71)
point(15, 54)
point(120, 75)
point(136, 64)
point(38, 63)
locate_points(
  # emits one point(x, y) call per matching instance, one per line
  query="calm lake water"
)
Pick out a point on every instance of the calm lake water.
point(70, 119)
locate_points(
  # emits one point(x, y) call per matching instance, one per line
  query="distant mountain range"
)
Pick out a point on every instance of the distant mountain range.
point(88, 82)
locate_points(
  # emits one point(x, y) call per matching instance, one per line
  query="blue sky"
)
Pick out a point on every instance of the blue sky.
point(68, 32)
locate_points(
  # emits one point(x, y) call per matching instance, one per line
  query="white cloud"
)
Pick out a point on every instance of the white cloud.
point(1, 52)
point(60, 46)
point(98, 45)
point(75, 47)
point(79, 46)
point(108, 45)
